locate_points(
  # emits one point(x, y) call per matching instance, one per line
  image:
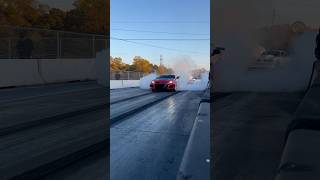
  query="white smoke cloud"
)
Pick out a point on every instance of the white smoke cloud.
point(235, 27)
point(145, 81)
point(293, 76)
point(182, 67)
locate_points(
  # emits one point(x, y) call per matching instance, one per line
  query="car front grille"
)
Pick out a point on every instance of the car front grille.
point(160, 86)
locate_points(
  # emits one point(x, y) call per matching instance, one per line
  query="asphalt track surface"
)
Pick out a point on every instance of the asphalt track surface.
point(248, 134)
point(42, 124)
point(149, 145)
point(160, 131)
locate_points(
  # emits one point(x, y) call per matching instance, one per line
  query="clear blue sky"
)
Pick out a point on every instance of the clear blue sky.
point(172, 16)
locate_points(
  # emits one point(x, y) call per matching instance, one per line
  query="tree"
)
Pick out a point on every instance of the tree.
point(139, 64)
point(19, 13)
point(92, 14)
point(162, 69)
point(142, 65)
point(56, 18)
point(88, 16)
point(116, 64)
point(74, 21)
point(132, 67)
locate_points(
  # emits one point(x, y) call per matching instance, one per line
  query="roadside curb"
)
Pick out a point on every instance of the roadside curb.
point(195, 164)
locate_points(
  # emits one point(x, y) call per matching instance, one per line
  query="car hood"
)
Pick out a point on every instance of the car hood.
point(162, 80)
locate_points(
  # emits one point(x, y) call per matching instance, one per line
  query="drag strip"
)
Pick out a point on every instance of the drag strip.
point(51, 129)
point(49, 108)
point(121, 96)
point(40, 91)
point(47, 120)
point(31, 153)
point(124, 109)
point(129, 98)
point(241, 122)
point(124, 91)
point(149, 145)
point(93, 167)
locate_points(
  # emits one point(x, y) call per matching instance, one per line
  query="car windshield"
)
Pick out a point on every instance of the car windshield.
point(166, 77)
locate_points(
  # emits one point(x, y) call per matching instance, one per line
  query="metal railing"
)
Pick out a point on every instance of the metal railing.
point(126, 75)
point(50, 44)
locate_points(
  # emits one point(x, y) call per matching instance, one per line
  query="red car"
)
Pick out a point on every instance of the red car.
point(164, 82)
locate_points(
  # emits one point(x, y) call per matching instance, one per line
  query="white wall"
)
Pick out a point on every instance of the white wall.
point(18, 72)
point(116, 84)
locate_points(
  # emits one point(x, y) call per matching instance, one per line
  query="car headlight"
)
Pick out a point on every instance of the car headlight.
point(170, 82)
point(152, 82)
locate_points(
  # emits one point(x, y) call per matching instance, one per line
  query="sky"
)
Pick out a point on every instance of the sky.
point(175, 19)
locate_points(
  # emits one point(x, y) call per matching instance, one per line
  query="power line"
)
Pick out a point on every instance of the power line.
point(152, 45)
point(158, 32)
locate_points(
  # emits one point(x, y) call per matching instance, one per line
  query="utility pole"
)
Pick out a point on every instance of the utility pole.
point(161, 60)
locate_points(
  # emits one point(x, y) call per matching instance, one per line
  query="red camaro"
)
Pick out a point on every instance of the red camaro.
point(164, 82)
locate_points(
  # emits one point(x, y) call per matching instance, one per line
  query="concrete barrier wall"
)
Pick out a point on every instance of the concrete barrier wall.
point(68, 69)
point(116, 84)
point(19, 72)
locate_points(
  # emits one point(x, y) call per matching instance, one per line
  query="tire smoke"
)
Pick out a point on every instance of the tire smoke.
point(183, 68)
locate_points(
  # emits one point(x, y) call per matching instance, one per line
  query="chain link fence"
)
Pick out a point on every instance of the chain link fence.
point(49, 44)
point(126, 75)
